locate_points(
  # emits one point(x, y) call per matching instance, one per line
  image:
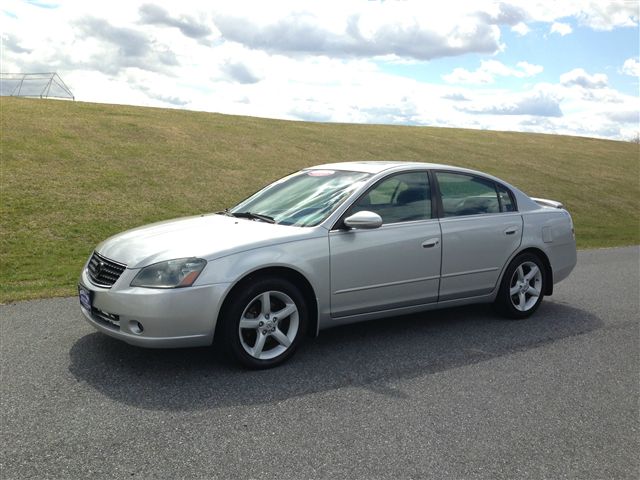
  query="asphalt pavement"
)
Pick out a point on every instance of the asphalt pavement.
point(453, 394)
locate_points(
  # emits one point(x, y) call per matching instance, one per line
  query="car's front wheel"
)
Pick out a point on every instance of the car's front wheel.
point(264, 322)
point(522, 288)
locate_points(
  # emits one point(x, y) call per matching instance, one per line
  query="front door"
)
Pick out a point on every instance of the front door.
point(396, 265)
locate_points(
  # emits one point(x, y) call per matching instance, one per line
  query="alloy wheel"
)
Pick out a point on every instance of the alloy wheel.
point(268, 325)
point(525, 286)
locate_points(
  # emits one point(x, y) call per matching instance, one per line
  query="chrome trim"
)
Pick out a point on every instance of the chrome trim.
point(469, 272)
point(99, 265)
point(389, 284)
point(460, 218)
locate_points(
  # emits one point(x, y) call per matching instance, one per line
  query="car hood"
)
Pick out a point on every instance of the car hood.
point(206, 236)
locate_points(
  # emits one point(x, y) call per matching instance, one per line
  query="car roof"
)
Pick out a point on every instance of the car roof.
point(375, 167)
point(378, 167)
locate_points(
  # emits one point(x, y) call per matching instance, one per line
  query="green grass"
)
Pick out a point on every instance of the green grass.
point(75, 173)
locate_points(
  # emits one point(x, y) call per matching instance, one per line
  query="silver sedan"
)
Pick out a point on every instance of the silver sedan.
point(326, 246)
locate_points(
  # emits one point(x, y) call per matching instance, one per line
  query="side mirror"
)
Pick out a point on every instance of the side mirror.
point(363, 220)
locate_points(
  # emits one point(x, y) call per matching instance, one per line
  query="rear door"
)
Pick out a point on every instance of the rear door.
point(480, 230)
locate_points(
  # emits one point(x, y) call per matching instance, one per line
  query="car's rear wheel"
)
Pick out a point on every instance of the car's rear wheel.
point(522, 288)
point(264, 322)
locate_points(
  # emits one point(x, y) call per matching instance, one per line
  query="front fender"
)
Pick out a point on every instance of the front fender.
point(308, 257)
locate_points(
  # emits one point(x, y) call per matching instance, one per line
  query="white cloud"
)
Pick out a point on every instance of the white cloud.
point(595, 14)
point(462, 75)
point(239, 72)
point(625, 116)
point(489, 70)
point(328, 61)
point(528, 69)
point(407, 29)
point(521, 28)
point(455, 96)
point(189, 26)
point(579, 77)
point(609, 14)
point(561, 28)
point(539, 103)
point(631, 67)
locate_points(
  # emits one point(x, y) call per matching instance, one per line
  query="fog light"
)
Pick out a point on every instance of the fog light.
point(136, 327)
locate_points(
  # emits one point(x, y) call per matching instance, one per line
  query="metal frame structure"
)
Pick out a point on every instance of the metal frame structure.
point(48, 79)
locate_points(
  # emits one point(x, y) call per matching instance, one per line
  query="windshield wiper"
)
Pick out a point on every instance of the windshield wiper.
point(254, 216)
point(225, 212)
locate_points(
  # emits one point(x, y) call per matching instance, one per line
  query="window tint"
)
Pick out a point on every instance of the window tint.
point(401, 198)
point(506, 201)
point(466, 195)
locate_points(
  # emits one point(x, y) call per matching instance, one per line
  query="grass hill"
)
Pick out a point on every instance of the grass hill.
point(75, 173)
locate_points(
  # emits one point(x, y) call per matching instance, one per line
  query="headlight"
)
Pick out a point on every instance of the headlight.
point(178, 273)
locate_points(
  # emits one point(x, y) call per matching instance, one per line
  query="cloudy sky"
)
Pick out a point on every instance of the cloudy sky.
point(567, 66)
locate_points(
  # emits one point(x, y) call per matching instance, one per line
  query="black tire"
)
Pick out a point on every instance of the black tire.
point(513, 306)
point(246, 300)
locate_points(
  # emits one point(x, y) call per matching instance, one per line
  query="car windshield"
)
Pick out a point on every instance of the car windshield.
point(303, 199)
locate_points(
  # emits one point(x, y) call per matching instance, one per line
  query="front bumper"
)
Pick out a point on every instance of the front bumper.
point(155, 318)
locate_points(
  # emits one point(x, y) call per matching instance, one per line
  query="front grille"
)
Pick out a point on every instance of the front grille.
point(104, 272)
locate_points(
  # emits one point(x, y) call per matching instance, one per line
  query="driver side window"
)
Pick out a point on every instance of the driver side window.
point(400, 198)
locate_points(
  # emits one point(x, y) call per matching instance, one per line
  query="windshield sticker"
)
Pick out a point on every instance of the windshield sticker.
point(320, 173)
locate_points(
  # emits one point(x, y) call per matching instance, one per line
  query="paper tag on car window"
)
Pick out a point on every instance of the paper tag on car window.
point(320, 173)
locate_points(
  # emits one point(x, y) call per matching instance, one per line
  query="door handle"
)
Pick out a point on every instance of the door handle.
point(511, 230)
point(432, 242)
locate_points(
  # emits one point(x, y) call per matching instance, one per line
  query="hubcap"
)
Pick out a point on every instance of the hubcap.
point(269, 325)
point(525, 286)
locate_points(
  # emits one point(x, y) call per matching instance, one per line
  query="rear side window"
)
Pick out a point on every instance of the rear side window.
point(467, 195)
point(506, 202)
